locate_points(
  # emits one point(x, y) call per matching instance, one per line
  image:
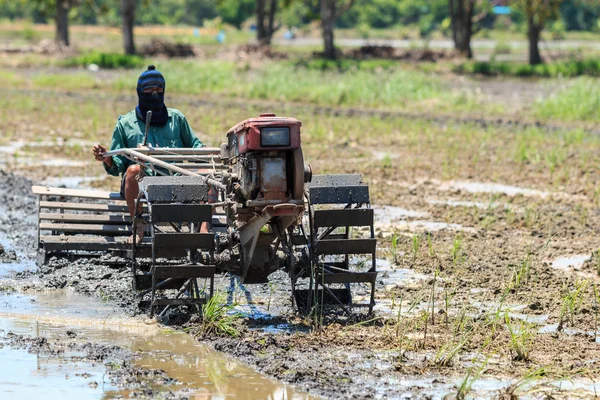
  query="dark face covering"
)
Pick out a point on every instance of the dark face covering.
point(153, 101)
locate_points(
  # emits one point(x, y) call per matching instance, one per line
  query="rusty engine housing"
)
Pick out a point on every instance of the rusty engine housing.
point(265, 161)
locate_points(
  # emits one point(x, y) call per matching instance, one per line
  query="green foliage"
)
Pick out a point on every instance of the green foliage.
point(106, 60)
point(580, 15)
point(389, 13)
point(235, 12)
point(590, 67)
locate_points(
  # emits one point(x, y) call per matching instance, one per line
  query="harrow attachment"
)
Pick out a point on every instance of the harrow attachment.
point(247, 209)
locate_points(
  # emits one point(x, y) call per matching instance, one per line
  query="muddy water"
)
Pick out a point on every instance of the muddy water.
point(205, 373)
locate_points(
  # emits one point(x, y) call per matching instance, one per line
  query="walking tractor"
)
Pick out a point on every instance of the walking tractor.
point(265, 209)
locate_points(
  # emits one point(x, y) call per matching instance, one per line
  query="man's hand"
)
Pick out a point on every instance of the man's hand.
point(98, 151)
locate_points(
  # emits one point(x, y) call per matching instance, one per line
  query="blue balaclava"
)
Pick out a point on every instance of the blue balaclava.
point(154, 101)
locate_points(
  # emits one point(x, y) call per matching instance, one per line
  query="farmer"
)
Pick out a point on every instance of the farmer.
point(168, 128)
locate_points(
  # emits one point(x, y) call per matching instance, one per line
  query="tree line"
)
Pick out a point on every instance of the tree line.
point(463, 18)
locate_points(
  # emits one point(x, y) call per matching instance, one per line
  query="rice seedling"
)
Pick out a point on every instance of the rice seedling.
point(456, 250)
point(596, 261)
point(572, 301)
point(473, 374)
point(416, 244)
point(596, 301)
point(520, 275)
point(528, 379)
point(521, 337)
point(432, 297)
point(395, 239)
point(447, 299)
point(430, 245)
point(448, 352)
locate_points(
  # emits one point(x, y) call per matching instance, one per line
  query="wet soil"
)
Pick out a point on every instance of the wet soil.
point(488, 278)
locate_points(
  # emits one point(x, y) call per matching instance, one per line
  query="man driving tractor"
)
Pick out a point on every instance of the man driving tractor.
point(168, 128)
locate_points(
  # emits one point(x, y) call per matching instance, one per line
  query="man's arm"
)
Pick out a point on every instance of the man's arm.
point(118, 164)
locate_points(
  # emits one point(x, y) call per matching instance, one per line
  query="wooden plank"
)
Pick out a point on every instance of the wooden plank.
point(204, 241)
point(107, 230)
point(184, 271)
point(89, 243)
point(88, 194)
point(86, 218)
point(181, 213)
point(347, 217)
point(60, 205)
point(348, 277)
point(346, 246)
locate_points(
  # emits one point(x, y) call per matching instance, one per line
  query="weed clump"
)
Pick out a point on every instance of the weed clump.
point(106, 60)
point(217, 318)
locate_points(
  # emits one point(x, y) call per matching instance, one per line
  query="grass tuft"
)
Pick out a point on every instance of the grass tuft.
point(216, 318)
point(106, 60)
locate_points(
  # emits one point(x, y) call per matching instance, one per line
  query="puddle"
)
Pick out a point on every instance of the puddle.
point(20, 265)
point(71, 182)
point(482, 187)
point(431, 226)
point(390, 213)
point(459, 203)
point(27, 376)
point(400, 219)
point(54, 162)
point(550, 328)
point(18, 145)
point(57, 162)
point(382, 155)
point(570, 262)
point(202, 371)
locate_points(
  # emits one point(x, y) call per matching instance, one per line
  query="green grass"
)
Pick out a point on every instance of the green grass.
point(573, 68)
point(216, 319)
point(64, 81)
point(321, 64)
point(283, 82)
point(579, 101)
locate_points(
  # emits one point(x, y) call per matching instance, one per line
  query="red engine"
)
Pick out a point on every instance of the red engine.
point(265, 161)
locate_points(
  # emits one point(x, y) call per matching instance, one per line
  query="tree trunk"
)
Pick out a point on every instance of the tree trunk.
point(271, 30)
point(265, 28)
point(261, 32)
point(62, 22)
point(461, 14)
point(128, 11)
point(533, 32)
point(328, 21)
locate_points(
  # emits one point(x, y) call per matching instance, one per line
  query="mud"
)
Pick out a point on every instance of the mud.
point(477, 250)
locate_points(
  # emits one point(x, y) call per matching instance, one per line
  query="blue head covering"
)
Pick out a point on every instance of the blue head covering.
point(154, 101)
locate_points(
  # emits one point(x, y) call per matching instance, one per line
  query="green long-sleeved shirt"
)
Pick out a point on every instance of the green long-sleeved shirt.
point(129, 133)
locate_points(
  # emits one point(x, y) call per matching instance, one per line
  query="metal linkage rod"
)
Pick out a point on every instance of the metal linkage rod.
point(139, 158)
point(181, 151)
point(186, 157)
